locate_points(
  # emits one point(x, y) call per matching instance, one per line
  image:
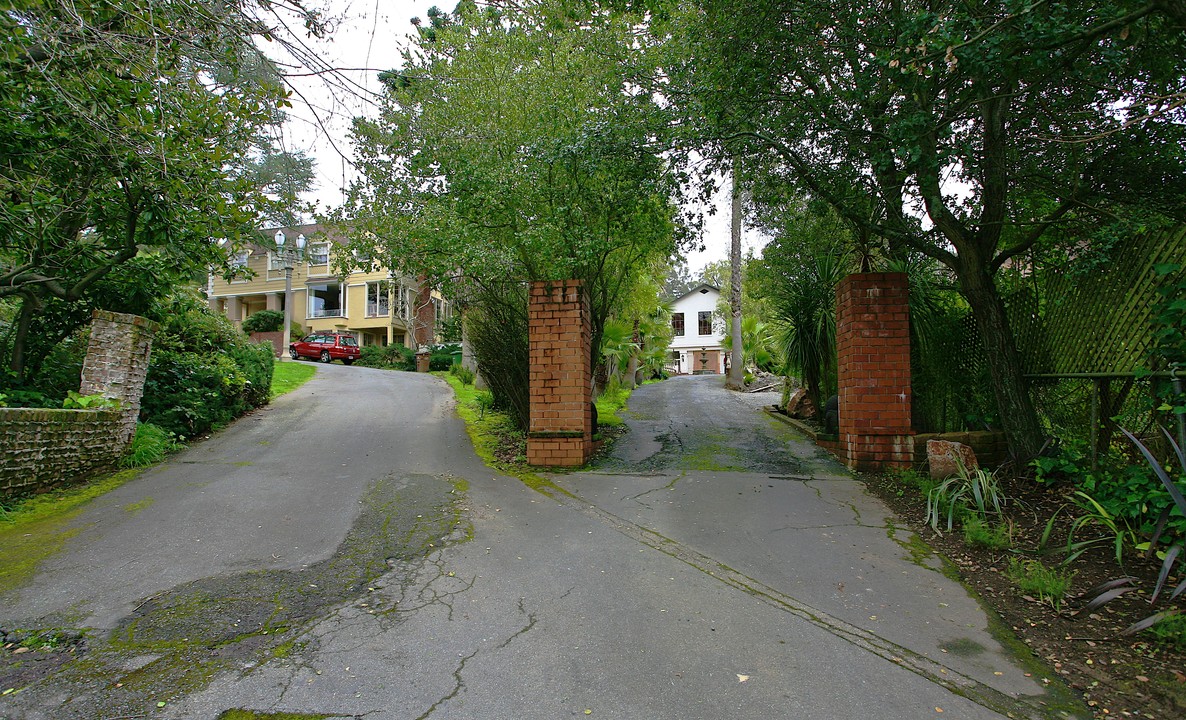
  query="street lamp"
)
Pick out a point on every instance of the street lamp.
point(288, 256)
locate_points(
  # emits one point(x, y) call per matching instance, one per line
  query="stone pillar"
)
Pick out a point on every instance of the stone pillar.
point(116, 363)
point(561, 432)
point(873, 347)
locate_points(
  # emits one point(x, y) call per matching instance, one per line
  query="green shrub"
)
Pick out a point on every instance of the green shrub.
point(974, 493)
point(982, 534)
point(189, 393)
point(464, 374)
point(1034, 578)
point(264, 321)
point(203, 373)
point(150, 445)
point(256, 361)
point(1171, 630)
point(440, 360)
point(98, 401)
point(395, 356)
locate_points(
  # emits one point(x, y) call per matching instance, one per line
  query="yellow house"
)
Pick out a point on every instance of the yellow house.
point(376, 306)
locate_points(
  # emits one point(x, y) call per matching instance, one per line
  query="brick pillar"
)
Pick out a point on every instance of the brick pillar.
point(561, 433)
point(426, 315)
point(873, 346)
point(116, 363)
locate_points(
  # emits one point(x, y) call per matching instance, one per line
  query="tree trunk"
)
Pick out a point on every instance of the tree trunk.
point(1018, 416)
point(29, 307)
point(736, 378)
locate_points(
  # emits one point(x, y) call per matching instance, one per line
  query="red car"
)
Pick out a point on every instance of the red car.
point(326, 347)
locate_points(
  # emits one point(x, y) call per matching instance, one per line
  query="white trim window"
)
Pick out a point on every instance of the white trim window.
point(239, 259)
point(378, 299)
point(704, 323)
point(319, 253)
point(326, 299)
point(275, 262)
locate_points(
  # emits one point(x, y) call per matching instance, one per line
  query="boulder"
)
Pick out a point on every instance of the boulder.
point(799, 406)
point(942, 457)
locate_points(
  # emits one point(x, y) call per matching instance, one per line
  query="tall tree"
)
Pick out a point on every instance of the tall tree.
point(968, 132)
point(736, 378)
point(516, 146)
point(122, 132)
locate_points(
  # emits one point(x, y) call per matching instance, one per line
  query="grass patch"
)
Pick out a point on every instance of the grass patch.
point(491, 431)
point(252, 715)
point(980, 533)
point(608, 405)
point(496, 440)
point(288, 376)
point(36, 527)
point(150, 445)
point(1034, 578)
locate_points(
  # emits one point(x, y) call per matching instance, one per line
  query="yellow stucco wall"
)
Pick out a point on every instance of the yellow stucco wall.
point(252, 296)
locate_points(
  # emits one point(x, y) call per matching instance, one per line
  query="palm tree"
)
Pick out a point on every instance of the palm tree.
point(806, 315)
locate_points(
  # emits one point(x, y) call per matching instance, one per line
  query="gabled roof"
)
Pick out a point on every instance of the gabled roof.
point(701, 288)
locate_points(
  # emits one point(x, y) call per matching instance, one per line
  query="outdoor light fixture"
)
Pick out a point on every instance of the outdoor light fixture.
point(288, 256)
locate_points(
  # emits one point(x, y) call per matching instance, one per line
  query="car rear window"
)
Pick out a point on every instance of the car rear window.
point(350, 341)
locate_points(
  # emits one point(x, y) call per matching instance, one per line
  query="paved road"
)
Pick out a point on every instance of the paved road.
point(345, 554)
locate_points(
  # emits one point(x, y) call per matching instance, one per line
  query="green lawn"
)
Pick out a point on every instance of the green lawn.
point(288, 376)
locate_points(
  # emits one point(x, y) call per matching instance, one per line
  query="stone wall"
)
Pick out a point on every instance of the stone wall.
point(873, 353)
point(43, 447)
point(561, 432)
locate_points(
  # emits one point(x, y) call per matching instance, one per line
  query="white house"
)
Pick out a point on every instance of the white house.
point(697, 332)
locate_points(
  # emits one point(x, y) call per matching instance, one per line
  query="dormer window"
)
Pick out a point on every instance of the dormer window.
point(319, 253)
point(239, 259)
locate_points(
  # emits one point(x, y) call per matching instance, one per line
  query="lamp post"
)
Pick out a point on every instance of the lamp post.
point(288, 256)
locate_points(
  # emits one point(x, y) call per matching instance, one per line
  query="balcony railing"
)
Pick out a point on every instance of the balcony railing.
point(325, 312)
point(375, 309)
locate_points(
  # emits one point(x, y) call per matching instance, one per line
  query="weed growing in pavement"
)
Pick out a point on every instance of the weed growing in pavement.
point(1033, 578)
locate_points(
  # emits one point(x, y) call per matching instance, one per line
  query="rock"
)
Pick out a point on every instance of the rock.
point(799, 406)
point(942, 457)
point(832, 415)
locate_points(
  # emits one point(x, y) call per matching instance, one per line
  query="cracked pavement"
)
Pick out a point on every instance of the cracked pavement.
point(716, 565)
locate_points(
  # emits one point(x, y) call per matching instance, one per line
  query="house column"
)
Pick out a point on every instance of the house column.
point(234, 309)
point(275, 301)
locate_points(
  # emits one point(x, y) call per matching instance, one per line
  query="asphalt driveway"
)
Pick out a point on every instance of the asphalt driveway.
point(345, 554)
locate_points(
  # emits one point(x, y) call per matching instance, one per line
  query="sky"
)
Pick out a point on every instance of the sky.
point(367, 38)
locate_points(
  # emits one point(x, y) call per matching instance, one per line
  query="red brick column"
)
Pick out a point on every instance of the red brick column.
point(425, 314)
point(873, 346)
point(561, 432)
